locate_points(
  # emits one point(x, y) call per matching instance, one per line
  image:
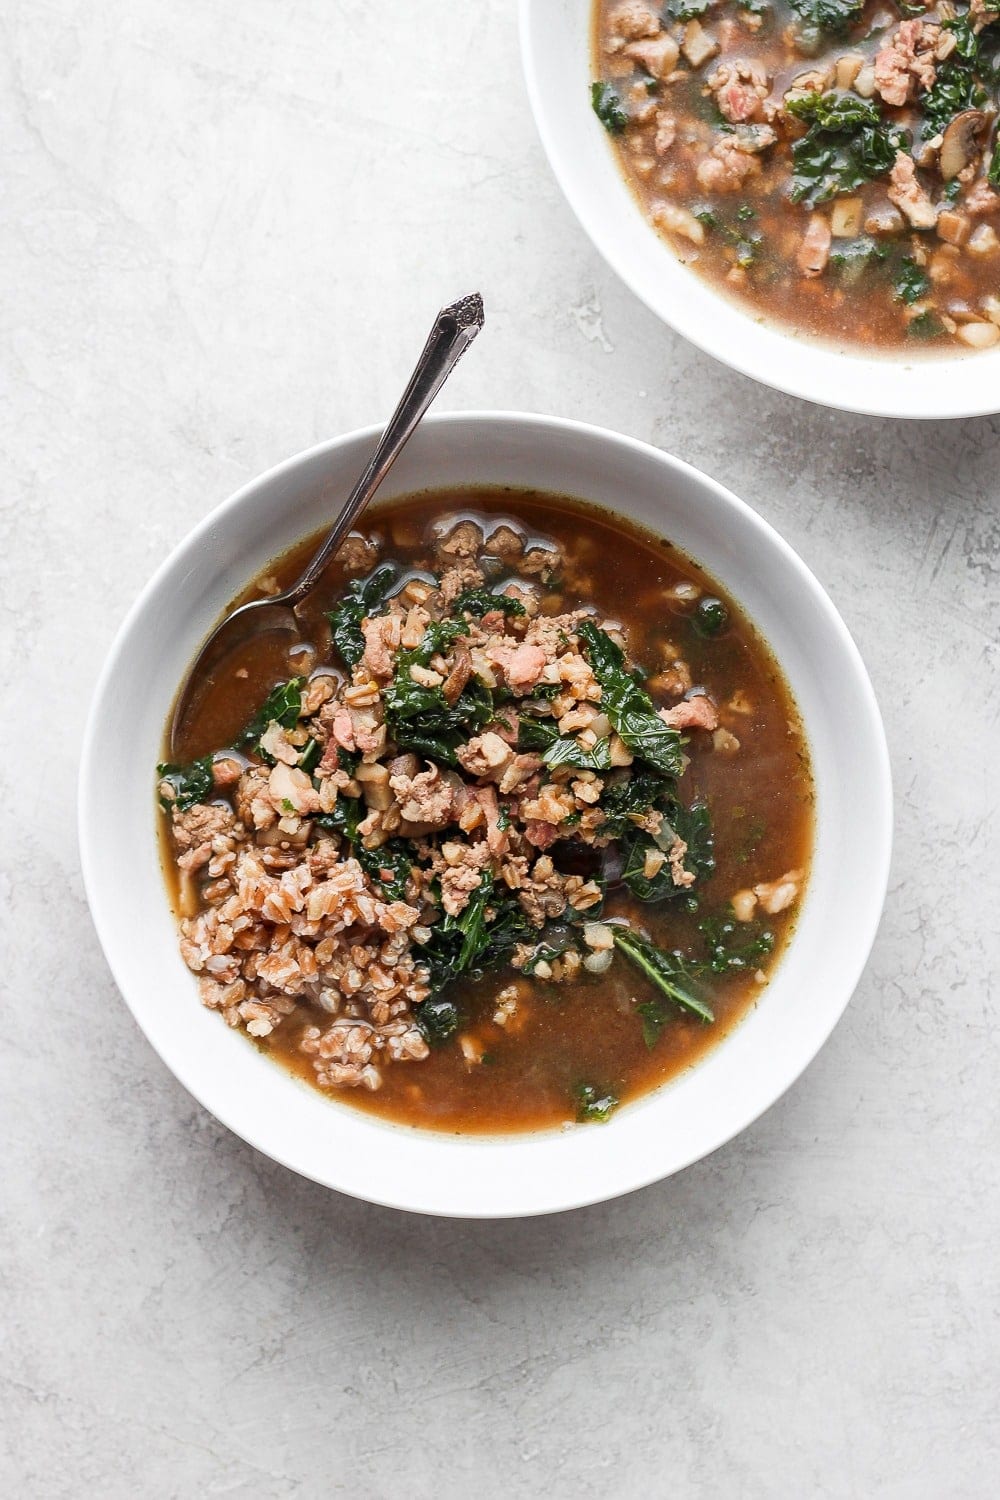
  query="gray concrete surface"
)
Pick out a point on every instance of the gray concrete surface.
point(224, 228)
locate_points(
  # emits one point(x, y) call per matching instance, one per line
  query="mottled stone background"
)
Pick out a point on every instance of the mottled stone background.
point(224, 228)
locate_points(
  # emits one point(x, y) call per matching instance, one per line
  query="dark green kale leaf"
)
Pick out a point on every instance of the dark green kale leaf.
point(562, 750)
point(993, 175)
point(710, 617)
point(693, 825)
point(438, 1018)
point(833, 16)
point(734, 946)
point(544, 953)
point(655, 1016)
point(421, 718)
point(955, 88)
point(684, 10)
point(283, 705)
point(658, 887)
point(479, 938)
point(594, 1104)
point(481, 602)
point(361, 598)
point(390, 865)
point(746, 242)
point(925, 326)
point(636, 794)
point(853, 257)
point(910, 283)
point(608, 107)
point(628, 706)
point(311, 752)
point(847, 143)
point(669, 973)
point(190, 784)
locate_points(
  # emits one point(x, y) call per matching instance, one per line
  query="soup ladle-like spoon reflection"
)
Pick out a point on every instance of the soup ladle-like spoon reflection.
point(453, 331)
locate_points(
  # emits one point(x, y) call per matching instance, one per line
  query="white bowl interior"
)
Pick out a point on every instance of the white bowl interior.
point(555, 39)
point(524, 1174)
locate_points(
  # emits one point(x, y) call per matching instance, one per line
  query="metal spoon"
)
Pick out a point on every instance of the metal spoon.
point(454, 329)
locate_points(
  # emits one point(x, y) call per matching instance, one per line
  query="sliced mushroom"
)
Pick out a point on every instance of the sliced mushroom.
point(960, 144)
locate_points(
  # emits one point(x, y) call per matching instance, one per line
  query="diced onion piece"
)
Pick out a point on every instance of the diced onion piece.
point(599, 963)
point(598, 935)
point(979, 335)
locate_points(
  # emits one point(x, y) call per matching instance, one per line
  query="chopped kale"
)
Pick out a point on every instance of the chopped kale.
point(670, 973)
point(745, 242)
point(956, 87)
point(853, 257)
point(927, 325)
point(635, 794)
point(692, 825)
point(710, 617)
point(977, 48)
point(628, 706)
point(910, 283)
point(421, 718)
point(608, 107)
point(545, 953)
point(344, 819)
point(438, 1019)
point(390, 865)
point(655, 1016)
point(847, 143)
point(479, 938)
point(734, 946)
point(684, 10)
point(593, 1103)
point(283, 705)
point(993, 175)
point(190, 784)
point(833, 16)
point(562, 750)
point(481, 602)
point(310, 755)
point(361, 598)
point(656, 887)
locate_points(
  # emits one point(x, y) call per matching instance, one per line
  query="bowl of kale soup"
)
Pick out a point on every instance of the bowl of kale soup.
point(809, 190)
point(525, 877)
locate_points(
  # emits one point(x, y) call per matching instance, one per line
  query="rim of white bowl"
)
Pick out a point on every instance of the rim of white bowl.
point(409, 1194)
point(585, 167)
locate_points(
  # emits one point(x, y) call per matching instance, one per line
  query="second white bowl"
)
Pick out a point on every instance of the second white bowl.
point(555, 42)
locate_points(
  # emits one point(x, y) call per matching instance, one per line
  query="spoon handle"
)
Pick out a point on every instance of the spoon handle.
point(454, 329)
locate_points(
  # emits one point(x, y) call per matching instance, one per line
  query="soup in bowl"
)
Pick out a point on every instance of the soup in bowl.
point(808, 191)
point(528, 876)
point(512, 836)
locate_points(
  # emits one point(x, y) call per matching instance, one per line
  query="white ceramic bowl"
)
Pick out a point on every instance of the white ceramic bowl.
point(555, 42)
point(524, 1174)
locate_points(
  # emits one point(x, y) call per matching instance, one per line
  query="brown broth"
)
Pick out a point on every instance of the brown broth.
point(761, 801)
